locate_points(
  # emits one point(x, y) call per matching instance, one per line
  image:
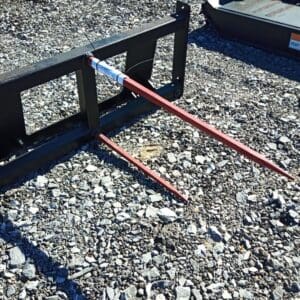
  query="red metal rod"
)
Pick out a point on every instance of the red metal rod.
point(104, 139)
point(139, 89)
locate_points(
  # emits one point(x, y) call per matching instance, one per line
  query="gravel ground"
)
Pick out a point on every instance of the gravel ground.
point(92, 227)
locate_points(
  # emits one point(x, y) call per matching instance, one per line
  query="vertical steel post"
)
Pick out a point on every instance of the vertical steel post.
point(180, 49)
point(87, 92)
point(12, 126)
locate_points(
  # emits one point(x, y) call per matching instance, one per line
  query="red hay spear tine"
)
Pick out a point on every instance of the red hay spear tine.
point(140, 166)
point(137, 88)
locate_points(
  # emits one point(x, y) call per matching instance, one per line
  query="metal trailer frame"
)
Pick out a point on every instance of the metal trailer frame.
point(253, 27)
point(38, 149)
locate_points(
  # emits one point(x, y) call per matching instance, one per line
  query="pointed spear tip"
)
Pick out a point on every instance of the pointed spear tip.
point(180, 196)
point(185, 199)
point(289, 176)
point(279, 170)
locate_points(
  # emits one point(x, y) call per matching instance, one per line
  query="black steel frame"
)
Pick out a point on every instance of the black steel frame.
point(56, 140)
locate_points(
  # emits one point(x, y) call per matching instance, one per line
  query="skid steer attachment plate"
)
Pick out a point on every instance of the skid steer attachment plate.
point(21, 152)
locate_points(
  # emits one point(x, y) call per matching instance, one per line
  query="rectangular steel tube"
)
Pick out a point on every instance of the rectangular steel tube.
point(49, 69)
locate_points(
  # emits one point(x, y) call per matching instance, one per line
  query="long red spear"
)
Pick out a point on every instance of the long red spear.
point(153, 97)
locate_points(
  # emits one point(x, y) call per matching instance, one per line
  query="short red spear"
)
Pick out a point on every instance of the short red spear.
point(104, 139)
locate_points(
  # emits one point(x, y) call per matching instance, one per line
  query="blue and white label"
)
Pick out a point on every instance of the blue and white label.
point(294, 45)
point(111, 72)
point(295, 41)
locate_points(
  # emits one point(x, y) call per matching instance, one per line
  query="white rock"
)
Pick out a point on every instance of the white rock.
point(41, 181)
point(31, 285)
point(117, 204)
point(293, 214)
point(200, 251)
point(10, 291)
point(131, 292)
point(246, 255)
point(97, 189)
point(72, 200)
point(176, 173)
point(2, 268)
point(29, 271)
point(244, 294)
point(110, 195)
point(196, 134)
point(91, 168)
point(106, 181)
point(171, 158)
point(151, 212)
point(172, 273)
point(215, 287)
point(8, 274)
point(16, 256)
point(110, 293)
point(148, 290)
point(55, 297)
point(181, 281)
point(251, 198)
point(152, 273)
point(192, 229)
point(56, 193)
point(284, 140)
point(75, 250)
point(226, 295)
point(33, 209)
point(167, 215)
point(227, 237)
point(200, 159)
point(160, 297)
point(90, 259)
point(272, 146)
point(122, 216)
point(146, 257)
point(197, 295)
point(23, 295)
point(155, 198)
point(183, 293)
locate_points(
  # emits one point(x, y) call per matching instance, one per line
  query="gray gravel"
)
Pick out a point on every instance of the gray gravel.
point(92, 227)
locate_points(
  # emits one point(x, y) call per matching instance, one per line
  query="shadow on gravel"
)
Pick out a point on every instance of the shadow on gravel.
point(208, 38)
point(47, 167)
point(44, 264)
point(40, 171)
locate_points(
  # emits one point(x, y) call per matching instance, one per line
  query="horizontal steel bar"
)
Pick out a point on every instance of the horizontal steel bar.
point(49, 69)
point(45, 152)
